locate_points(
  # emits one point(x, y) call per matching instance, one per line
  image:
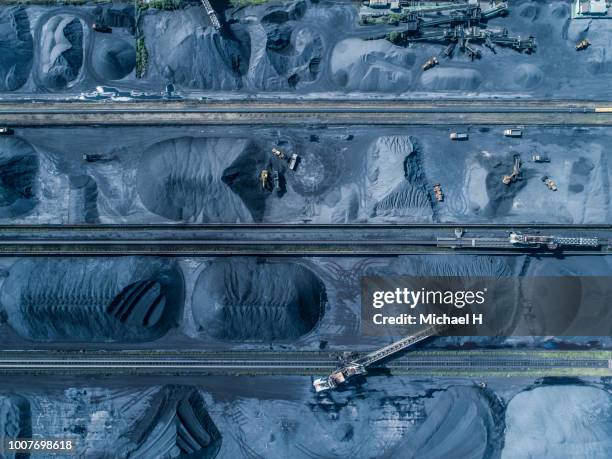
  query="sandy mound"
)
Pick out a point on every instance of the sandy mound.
point(359, 65)
point(18, 177)
point(559, 421)
point(245, 299)
point(15, 418)
point(16, 48)
point(61, 51)
point(451, 79)
point(528, 76)
point(113, 58)
point(85, 299)
point(396, 183)
point(176, 424)
point(202, 180)
point(193, 56)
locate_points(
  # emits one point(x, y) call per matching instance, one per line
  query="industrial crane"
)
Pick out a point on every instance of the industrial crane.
point(360, 365)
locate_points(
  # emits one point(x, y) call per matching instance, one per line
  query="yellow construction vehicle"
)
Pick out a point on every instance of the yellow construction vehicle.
point(552, 186)
point(431, 63)
point(438, 192)
point(582, 44)
point(264, 178)
point(516, 170)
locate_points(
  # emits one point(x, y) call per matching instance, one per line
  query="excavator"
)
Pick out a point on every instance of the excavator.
point(582, 44)
point(516, 170)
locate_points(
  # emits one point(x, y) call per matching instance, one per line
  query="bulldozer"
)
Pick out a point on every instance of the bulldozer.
point(516, 170)
point(279, 154)
point(582, 44)
point(430, 63)
point(552, 186)
point(264, 178)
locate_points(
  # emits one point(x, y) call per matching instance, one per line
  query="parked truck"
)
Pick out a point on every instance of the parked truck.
point(513, 132)
point(459, 136)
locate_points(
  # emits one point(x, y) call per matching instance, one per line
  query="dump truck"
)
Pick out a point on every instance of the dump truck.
point(513, 133)
point(516, 170)
point(552, 186)
point(540, 158)
point(430, 63)
point(6, 131)
point(438, 192)
point(582, 44)
point(293, 161)
point(279, 154)
point(459, 136)
point(264, 178)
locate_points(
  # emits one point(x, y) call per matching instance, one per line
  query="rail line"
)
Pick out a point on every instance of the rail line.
point(286, 239)
point(307, 363)
point(297, 112)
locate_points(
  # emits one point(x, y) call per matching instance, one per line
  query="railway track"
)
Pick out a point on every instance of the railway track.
point(307, 363)
point(283, 239)
point(298, 112)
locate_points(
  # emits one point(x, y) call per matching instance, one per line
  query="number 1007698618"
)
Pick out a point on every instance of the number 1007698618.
point(23, 445)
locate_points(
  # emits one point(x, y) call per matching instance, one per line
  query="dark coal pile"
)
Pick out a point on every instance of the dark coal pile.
point(459, 422)
point(292, 54)
point(176, 424)
point(193, 56)
point(359, 65)
point(85, 299)
point(114, 58)
point(83, 200)
point(61, 54)
point(581, 176)
point(396, 182)
point(115, 15)
point(15, 418)
point(254, 300)
point(201, 180)
point(458, 265)
point(451, 79)
point(317, 172)
point(18, 177)
point(507, 308)
point(16, 48)
point(501, 196)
